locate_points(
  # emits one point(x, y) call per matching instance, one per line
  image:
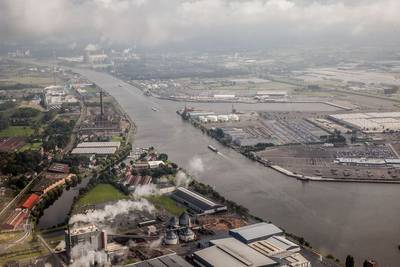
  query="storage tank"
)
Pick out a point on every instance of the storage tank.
point(223, 118)
point(170, 238)
point(186, 235)
point(212, 118)
point(233, 117)
point(184, 220)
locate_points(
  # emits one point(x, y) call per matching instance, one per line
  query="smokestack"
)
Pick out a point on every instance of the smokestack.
point(101, 104)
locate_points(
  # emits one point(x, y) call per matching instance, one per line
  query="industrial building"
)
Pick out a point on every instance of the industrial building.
point(59, 168)
point(275, 246)
point(55, 96)
point(230, 252)
point(30, 202)
point(179, 228)
point(15, 219)
point(97, 148)
point(88, 234)
point(255, 232)
point(171, 260)
point(374, 122)
point(196, 202)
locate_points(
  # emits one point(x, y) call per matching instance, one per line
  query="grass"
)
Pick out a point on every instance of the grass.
point(31, 146)
point(116, 138)
point(101, 193)
point(16, 131)
point(167, 203)
point(23, 252)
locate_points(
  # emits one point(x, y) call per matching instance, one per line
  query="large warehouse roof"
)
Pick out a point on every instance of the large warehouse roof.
point(255, 232)
point(94, 150)
point(171, 260)
point(196, 201)
point(99, 144)
point(233, 253)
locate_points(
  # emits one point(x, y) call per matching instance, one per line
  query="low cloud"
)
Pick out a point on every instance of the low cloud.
point(159, 22)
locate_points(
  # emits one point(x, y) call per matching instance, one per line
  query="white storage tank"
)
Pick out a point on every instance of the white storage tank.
point(212, 118)
point(233, 117)
point(223, 118)
point(202, 119)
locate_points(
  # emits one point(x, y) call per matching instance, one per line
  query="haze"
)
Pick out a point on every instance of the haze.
point(217, 23)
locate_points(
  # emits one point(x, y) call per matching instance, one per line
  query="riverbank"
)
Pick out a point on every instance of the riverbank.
point(313, 210)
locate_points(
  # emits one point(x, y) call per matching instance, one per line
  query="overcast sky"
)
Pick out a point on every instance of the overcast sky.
point(164, 22)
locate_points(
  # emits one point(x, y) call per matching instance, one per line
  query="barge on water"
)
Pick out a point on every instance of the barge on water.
point(213, 148)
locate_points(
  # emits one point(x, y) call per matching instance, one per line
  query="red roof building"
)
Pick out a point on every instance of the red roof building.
point(30, 201)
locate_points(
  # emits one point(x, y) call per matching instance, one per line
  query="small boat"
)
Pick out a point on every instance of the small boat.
point(212, 148)
point(154, 109)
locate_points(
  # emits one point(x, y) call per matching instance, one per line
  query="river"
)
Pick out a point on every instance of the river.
point(337, 218)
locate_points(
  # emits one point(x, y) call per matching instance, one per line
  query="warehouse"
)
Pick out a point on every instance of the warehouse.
point(98, 148)
point(59, 168)
point(255, 232)
point(374, 122)
point(171, 260)
point(196, 202)
point(30, 201)
point(231, 252)
point(274, 246)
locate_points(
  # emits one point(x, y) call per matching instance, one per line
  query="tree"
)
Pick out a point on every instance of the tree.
point(163, 157)
point(349, 261)
point(4, 123)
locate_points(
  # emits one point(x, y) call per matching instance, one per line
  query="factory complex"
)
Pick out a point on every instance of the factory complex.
point(373, 122)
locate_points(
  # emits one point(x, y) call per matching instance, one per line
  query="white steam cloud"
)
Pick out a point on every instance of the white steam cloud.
point(181, 179)
point(84, 255)
point(196, 165)
point(145, 190)
point(111, 211)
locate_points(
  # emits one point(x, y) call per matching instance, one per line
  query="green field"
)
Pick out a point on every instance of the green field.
point(16, 131)
point(167, 203)
point(117, 138)
point(101, 193)
point(31, 146)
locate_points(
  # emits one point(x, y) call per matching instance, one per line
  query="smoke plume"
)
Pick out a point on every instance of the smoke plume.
point(196, 165)
point(113, 210)
point(181, 179)
point(84, 255)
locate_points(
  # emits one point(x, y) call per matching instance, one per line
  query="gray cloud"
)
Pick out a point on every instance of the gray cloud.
point(160, 22)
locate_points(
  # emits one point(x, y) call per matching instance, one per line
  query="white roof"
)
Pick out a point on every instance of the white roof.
point(256, 231)
point(99, 144)
point(155, 163)
point(275, 245)
point(94, 150)
point(233, 253)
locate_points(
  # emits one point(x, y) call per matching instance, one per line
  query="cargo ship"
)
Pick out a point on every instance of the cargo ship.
point(212, 148)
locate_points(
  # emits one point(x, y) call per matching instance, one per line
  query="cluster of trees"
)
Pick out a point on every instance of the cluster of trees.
point(25, 113)
point(75, 180)
point(76, 161)
point(208, 191)
point(18, 183)
point(156, 173)
point(4, 122)
point(57, 134)
point(46, 201)
point(17, 86)
point(20, 162)
point(7, 105)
